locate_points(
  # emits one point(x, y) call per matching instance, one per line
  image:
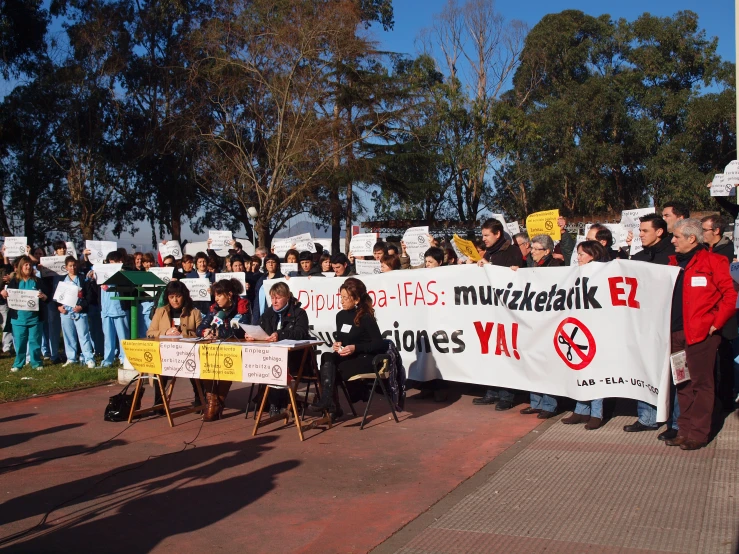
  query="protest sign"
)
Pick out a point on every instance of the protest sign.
point(52, 266)
point(618, 232)
point(15, 246)
point(66, 293)
point(238, 275)
point(280, 247)
point(220, 361)
point(99, 249)
point(172, 248)
point(720, 186)
point(180, 359)
point(287, 268)
point(734, 270)
point(578, 240)
point(220, 240)
point(264, 364)
point(731, 173)
point(71, 250)
point(545, 330)
point(367, 267)
point(500, 218)
point(362, 244)
point(466, 248)
point(513, 228)
point(326, 243)
point(142, 355)
point(416, 241)
point(103, 272)
point(164, 273)
point(544, 223)
point(303, 243)
point(198, 289)
point(192, 248)
point(23, 299)
point(630, 223)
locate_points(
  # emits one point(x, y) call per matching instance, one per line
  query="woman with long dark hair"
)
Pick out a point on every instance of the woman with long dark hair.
point(359, 341)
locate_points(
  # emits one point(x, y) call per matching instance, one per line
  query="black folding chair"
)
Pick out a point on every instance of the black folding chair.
point(380, 364)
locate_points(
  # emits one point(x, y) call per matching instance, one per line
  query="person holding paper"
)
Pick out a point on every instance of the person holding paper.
point(340, 265)
point(201, 272)
point(26, 324)
point(284, 319)
point(271, 271)
point(307, 269)
point(325, 263)
point(359, 341)
point(177, 318)
point(703, 301)
point(6, 269)
point(389, 263)
point(115, 318)
point(217, 324)
point(75, 326)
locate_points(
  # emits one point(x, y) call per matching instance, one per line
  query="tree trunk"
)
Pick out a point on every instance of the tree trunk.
point(348, 220)
point(263, 233)
point(335, 220)
point(176, 224)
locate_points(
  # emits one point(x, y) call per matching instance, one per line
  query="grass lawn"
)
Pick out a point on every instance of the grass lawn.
point(53, 378)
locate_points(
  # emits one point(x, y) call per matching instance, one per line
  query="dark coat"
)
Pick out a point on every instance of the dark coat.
point(724, 247)
point(658, 254)
point(550, 261)
point(504, 254)
point(294, 322)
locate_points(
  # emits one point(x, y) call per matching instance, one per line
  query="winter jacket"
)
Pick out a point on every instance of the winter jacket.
point(504, 254)
point(294, 322)
point(161, 322)
point(709, 298)
point(237, 313)
point(724, 247)
point(658, 253)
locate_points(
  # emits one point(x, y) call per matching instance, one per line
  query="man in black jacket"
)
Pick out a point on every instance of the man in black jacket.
point(498, 251)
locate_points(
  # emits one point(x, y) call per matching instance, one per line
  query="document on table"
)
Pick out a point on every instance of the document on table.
point(254, 331)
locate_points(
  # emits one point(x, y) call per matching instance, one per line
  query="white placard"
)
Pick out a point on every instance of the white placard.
point(734, 270)
point(71, 250)
point(362, 244)
point(220, 240)
point(262, 364)
point(280, 247)
point(66, 293)
point(416, 241)
point(500, 218)
point(52, 266)
point(172, 248)
point(198, 289)
point(513, 228)
point(21, 299)
point(287, 268)
point(15, 246)
point(99, 249)
point(192, 248)
point(367, 267)
point(720, 186)
point(238, 275)
point(303, 243)
point(103, 272)
point(630, 222)
point(731, 173)
point(578, 240)
point(618, 232)
point(164, 273)
point(326, 243)
point(180, 359)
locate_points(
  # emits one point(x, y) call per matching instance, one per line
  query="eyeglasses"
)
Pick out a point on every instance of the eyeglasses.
point(707, 230)
point(538, 249)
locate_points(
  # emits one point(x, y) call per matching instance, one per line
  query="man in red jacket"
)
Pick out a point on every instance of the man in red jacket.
point(703, 301)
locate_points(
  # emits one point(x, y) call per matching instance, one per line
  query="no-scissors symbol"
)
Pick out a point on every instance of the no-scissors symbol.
point(574, 343)
point(190, 365)
point(549, 225)
point(228, 362)
point(148, 357)
point(276, 371)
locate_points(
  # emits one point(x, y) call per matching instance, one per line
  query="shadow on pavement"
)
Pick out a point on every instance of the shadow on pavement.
point(18, 438)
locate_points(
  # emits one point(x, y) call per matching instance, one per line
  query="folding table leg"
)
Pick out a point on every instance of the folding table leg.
point(135, 399)
point(165, 400)
point(295, 411)
point(258, 416)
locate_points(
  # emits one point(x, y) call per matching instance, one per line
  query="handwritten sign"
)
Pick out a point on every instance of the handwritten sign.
point(15, 246)
point(220, 240)
point(238, 275)
point(303, 243)
point(172, 248)
point(21, 299)
point(103, 272)
point(143, 355)
point(731, 173)
point(513, 228)
point(720, 186)
point(630, 222)
point(66, 293)
point(544, 223)
point(367, 267)
point(52, 266)
point(287, 268)
point(99, 249)
point(220, 361)
point(362, 244)
point(164, 273)
point(466, 248)
point(264, 364)
point(198, 289)
point(416, 241)
point(180, 359)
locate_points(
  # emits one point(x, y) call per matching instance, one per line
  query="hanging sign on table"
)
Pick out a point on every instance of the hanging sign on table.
point(143, 355)
point(264, 364)
point(220, 361)
point(180, 359)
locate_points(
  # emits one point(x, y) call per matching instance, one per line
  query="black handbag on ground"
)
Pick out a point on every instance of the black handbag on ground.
point(119, 405)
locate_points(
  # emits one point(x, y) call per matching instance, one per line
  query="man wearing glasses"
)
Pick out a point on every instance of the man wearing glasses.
point(713, 236)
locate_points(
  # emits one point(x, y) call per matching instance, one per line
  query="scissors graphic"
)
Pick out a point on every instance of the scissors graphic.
point(564, 341)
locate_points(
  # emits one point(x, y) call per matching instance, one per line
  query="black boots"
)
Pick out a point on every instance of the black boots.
point(328, 380)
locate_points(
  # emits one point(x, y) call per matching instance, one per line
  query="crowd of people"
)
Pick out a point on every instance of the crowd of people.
point(703, 311)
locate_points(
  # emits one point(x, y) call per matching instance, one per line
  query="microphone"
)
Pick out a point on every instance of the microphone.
point(217, 322)
point(235, 324)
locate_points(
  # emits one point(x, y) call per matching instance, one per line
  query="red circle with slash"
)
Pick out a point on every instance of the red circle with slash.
point(574, 351)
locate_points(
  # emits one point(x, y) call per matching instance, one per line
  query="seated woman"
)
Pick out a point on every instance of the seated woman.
point(177, 318)
point(228, 307)
point(359, 341)
point(284, 319)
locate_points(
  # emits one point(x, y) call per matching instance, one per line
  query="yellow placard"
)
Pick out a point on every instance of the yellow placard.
point(220, 361)
point(143, 355)
point(544, 223)
point(466, 247)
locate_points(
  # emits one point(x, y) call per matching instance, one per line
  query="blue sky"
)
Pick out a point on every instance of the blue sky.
point(715, 16)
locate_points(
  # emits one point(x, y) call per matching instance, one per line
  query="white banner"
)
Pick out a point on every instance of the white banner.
point(164, 273)
point(180, 359)
point(15, 246)
point(264, 364)
point(104, 271)
point(172, 248)
point(52, 266)
point(99, 250)
point(22, 299)
point(362, 244)
point(368, 267)
point(583, 332)
point(198, 289)
point(416, 241)
point(66, 293)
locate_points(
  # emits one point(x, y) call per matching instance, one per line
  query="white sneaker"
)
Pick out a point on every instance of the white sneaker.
point(15, 369)
point(68, 362)
point(91, 364)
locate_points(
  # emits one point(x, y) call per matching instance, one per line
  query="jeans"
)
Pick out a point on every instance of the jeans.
point(144, 318)
point(76, 333)
point(115, 329)
point(505, 395)
point(647, 414)
point(95, 323)
point(543, 402)
point(675, 413)
point(7, 337)
point(594, 408)
point(27, 338)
